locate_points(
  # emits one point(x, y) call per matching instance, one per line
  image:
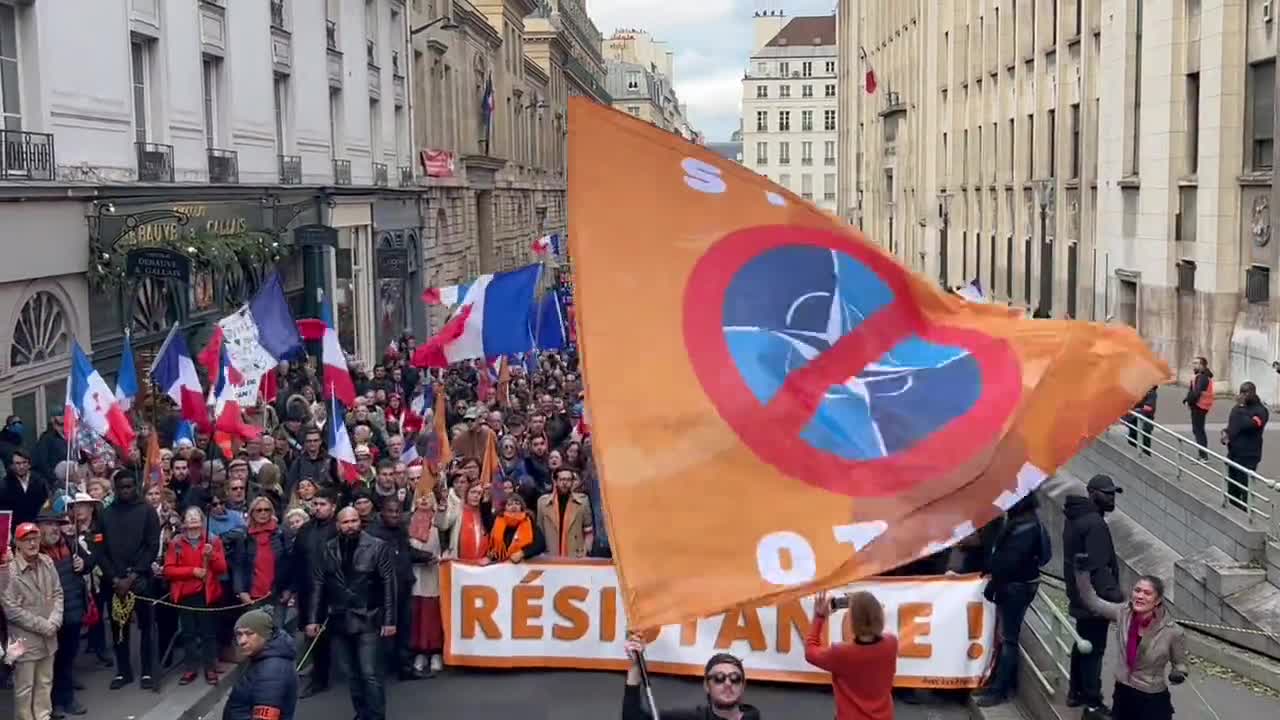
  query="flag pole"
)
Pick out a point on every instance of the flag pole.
point(648, 686)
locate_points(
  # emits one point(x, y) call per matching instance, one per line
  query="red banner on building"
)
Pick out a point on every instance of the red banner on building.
point(437, 163)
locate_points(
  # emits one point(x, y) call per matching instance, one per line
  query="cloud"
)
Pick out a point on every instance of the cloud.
point(714, 99)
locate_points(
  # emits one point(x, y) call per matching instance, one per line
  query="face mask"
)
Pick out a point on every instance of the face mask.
point(16, 427)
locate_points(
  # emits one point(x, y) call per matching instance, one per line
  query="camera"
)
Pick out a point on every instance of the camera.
point(840, 602)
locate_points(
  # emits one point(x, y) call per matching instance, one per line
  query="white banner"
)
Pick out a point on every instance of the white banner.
point(569, 615)
point(240, 338)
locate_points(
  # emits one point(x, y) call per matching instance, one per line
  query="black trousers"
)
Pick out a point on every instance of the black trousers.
point(144, 616)
point(1139, 427)
point(1238, 490)
point(396, 649)
point(1086, 670)
point(1197, 430)
point(64, 691)
point(199, 642)
point(361, 658)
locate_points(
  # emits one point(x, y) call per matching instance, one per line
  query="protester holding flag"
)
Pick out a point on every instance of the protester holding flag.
point(724, 680)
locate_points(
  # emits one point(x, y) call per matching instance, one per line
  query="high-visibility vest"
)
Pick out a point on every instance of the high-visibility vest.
point(1205, 401)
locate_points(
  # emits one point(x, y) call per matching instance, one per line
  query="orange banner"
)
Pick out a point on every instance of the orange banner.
point(778, 405)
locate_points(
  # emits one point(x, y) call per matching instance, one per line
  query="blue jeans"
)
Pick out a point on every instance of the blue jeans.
point(1011, 610)
point(361, 659)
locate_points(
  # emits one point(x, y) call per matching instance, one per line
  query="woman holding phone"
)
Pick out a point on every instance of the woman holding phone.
point(862, 670)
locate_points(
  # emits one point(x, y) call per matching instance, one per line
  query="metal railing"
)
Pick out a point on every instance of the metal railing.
point(331, 35)
point(341, 172)
point(1256, 496)
point(277, 14)
point(26, 155)
point(406, 175)
point(1055, 633)
point(371, 53)
point(380, 174)
point(224, 166)
point(290, 169)
point(155, 162)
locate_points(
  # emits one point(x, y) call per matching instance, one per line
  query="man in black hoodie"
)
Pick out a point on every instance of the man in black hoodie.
point(1198, 400)
point(130, 542)
point(1087, 533)
point(309, 549)
point(389, 528)
point(22, 491)
point(1243, 438)
point(51, 448)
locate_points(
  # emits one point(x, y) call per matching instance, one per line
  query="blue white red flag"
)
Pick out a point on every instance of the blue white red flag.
point(492, 320)
point(94, 404)
point(174, 372)
point(127, 381)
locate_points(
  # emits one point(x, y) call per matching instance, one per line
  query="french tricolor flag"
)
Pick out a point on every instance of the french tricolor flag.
point(448, 295)
point(337, 377)
point(174, 372)
point(542, 246)
point(227, 413)
point(95, 404)
point(493, 320)
point(340, 443)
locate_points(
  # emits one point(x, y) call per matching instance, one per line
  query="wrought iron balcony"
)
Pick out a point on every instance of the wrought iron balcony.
point(277, 14)
point(331, 35)
point(829, 161)
point(371, 53)
point(380, 174)
point(224, 167)
point(406, 176)
point(341, 172)
point(395, 63)
point(155, 162)
point(290, 169)
point(26, 155)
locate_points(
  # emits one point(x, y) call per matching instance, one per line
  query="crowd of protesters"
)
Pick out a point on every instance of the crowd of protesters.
point(182, 533)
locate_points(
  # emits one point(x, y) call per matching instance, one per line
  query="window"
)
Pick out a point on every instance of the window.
point(785, 180)
point(140, 54)
point(335, 121)
point(806, 153)
point(806, 187)
point(1193, 123)
point(806, 120)
point(634, 110)
point(829, 187)
point(762, 121)
point(371, 31)
point(784, 153)
point(281, 99)
point(10, 92)
point(762, 153)
point(209, 82)
point(784, 69)
point(763, 68)
point(1052, 144)
point(806, 69)
point(831, 67)
point(784, 121)
point(1031, 147)
point(633, 81)
point(806, 91)
point(762, 91)
point(828, 119)
point(829, 152)
point(1075, 141)
point(784, 91)
point(830, 90)
point(375, 130)
point(1136, 101)
point(41, 332)
point(1262, 90)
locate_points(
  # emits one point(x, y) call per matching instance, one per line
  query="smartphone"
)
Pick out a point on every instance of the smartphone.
point(840, 602)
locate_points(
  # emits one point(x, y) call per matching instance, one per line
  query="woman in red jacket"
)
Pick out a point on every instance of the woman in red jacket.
point(192, 565)
point(862, 671)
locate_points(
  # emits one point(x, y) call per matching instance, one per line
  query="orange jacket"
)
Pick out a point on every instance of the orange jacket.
point(180, 562)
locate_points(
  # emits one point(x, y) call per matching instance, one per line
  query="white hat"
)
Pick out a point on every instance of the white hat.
point(183, 442)
point(83, 497)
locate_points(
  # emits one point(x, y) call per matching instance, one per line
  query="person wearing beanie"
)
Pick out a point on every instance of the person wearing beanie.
point(723, 679)
point(268, 687)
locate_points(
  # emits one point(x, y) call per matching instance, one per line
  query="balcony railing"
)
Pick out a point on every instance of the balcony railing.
point(26, 155)
point(406, 175)
point(829, 161)
point(331, 35)
point(290, 169)
point(224, 167)
point(380, 174)
point(277, 14)
point(341, 172)
point(155, 162)
point(806, 161)
point(371, 53)
point(395, 63)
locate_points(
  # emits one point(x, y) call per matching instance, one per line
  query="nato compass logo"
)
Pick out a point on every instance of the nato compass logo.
point(813, 349)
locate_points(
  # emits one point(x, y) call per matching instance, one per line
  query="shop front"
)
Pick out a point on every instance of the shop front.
point(398, 231)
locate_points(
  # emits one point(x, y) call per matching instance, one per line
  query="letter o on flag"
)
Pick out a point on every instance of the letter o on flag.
point(798, 566)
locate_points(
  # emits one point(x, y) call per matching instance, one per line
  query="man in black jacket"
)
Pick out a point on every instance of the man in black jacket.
point(353, 591)
point(390, 529)
point(23, 492)
point(268, 689)
point(1146, 407)
point(1198, 401)
point(724, 680)
point(308, 551)
point(1243, 438)
point(51, 448)
point(1087, 533)
point(72, 564)
point(313, 462)
point(130, 542)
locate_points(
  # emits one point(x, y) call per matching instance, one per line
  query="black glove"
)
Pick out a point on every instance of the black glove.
point(1177, 677)
point(1081, 562)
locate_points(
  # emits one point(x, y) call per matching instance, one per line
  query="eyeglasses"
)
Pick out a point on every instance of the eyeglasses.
point(722, 678)
point(266, 510)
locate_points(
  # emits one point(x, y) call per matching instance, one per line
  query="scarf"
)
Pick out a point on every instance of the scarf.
point(473, 543)
point(1137, 626)
point(522, 539)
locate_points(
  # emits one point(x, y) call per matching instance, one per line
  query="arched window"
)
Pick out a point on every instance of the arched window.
point(41, 331)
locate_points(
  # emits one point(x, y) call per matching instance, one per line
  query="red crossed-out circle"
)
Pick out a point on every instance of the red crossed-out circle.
point(773, 430)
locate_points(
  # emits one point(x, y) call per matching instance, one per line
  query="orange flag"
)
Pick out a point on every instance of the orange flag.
point(504, 383)
point(152, 471)
point(439, 452)
point(811, 411)
point(490, 463)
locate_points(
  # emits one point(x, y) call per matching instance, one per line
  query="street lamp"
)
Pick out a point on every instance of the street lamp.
point(448, 24)
point(1045, 190)
point(944, 212)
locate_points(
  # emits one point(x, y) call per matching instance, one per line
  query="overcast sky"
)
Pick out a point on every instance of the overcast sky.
point(712, 40)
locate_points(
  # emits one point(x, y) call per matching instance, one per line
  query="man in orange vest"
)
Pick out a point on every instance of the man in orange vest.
point(1199, 400)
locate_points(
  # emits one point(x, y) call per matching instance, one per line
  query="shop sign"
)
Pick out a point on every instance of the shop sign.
point(161, 263)
point(392, 263)
point(315, 236)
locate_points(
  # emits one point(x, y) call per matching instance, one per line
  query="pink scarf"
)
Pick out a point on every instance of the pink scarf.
point(1137, 626)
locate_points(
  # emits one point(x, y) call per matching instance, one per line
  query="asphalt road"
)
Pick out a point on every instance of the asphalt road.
point(577, 696)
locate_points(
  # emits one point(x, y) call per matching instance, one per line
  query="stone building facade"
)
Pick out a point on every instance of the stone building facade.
point(1107, 160)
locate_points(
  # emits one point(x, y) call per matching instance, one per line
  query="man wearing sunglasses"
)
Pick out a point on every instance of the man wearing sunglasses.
point(724, 681)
